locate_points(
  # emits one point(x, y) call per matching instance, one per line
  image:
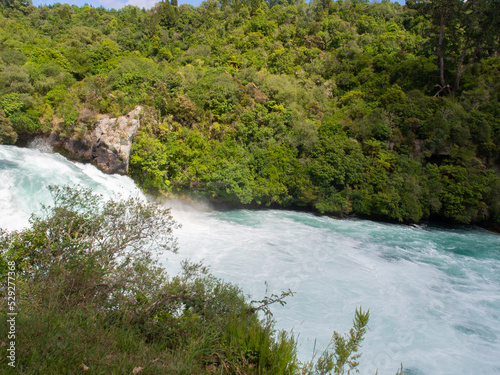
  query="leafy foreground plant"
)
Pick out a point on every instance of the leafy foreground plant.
point(92, 298)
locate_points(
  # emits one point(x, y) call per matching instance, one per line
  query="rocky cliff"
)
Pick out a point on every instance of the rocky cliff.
point(109, 145)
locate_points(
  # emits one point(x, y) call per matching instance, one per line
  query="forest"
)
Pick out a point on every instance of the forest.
point(340, 107)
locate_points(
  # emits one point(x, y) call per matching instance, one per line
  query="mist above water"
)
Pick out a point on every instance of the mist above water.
point(433, 293)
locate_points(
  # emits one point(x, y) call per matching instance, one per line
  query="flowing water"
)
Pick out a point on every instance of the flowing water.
point(433, 292)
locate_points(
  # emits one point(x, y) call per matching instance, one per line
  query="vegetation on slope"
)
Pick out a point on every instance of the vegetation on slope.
point(337, 106)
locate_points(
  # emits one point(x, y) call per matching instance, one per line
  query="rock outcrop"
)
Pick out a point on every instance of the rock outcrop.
point(112, 142)
point(109, 145)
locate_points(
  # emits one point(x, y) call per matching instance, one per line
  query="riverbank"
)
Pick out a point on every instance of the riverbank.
point(179, 200)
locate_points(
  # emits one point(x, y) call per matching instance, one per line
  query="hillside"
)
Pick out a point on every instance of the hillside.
point(342, 107)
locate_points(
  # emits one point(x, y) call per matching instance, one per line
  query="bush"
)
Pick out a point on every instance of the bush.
point(85, 251)
point(11, 103)
point(24, 123)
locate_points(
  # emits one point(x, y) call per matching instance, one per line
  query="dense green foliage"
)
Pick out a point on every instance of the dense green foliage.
point(91, 296)
point(337, 106)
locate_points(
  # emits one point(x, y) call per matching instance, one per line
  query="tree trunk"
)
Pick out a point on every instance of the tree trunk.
point(460, 66)
point(440, 48)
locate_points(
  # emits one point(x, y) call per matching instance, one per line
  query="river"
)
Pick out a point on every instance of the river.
point(433, 292)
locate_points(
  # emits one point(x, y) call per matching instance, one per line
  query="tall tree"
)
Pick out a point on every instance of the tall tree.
point(167, 14)
point(16, 4)
point(478, 33)
point(464, 31)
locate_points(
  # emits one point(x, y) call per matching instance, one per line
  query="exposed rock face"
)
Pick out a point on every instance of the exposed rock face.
point(109, 145)
point(74, 148)
point(112, 142)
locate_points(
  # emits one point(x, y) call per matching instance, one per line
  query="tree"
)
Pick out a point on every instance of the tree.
point(21, 5)
point(166, 13)
point(465, 31)
point(480, 21)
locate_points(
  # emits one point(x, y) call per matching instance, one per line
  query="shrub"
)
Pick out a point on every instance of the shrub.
point(11, 103)
point(24, 123)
